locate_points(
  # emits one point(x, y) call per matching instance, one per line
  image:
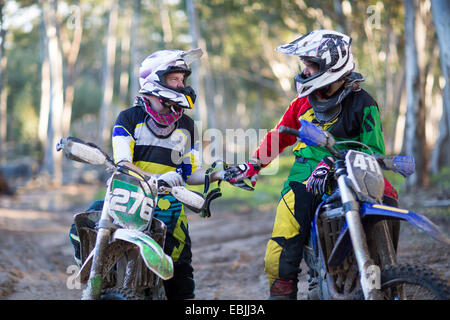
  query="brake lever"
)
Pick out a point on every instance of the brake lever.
point(213, 194)
point(243, 185)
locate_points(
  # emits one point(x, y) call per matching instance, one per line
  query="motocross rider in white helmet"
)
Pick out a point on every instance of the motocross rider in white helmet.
point(162, 77)
point(329, 96)
point(155, 137)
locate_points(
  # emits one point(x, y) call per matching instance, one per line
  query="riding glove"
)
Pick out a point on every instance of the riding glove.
point(236, 174)
point(317, 182)
point(172, 178)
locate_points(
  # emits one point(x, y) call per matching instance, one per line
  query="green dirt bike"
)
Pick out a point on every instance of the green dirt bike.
point(122, 246)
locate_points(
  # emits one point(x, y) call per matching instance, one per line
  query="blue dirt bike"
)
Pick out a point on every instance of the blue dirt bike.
point(351, 251)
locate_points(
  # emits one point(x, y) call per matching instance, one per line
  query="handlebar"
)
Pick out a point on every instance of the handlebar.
point(86, 152)
point(78, 150)
point(405, 165)
point(314, 136)
point(287, 130)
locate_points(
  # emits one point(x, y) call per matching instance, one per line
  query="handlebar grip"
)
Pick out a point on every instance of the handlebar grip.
point(287, 130)
point(405, 165)
point(192, 199)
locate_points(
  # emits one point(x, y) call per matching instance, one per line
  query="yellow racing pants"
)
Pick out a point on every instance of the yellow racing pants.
point(290, 231)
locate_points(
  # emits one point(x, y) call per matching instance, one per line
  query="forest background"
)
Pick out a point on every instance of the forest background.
point(69, 68)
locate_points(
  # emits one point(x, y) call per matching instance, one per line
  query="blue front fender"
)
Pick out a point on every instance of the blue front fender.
point(416, 219)
point(343, 243)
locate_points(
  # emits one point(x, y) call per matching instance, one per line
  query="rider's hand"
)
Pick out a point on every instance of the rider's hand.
point(172, 178)
point(317, 182)
point(238, 173)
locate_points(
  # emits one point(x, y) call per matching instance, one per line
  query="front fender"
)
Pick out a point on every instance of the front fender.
point(152, 254)
point(343, 243)
point(416, 219)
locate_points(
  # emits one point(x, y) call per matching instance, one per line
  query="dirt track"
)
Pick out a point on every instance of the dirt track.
point(228, 249)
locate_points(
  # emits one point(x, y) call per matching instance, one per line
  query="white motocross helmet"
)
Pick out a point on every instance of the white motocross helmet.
point(330, 50)
point(160, 63)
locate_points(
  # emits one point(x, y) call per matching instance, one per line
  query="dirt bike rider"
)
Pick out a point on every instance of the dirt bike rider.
point(155, 136)
point(329, 96)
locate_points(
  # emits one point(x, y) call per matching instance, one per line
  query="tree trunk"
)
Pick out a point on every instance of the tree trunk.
point(200, 111)
point(203, 72)
point(165, 23)
point(400, 103)
point(54, 158)
point(73, 48)
point(134, 50)
point(44, 109)
point(440, 10)
point(125, 45)
point(3, 91)
point(108, 77)
point(415, 142)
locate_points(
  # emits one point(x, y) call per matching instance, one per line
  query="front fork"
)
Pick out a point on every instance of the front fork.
point(94, 286)
point(369, 272)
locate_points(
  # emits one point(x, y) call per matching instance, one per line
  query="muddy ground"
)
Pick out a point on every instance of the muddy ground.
point(228, 249)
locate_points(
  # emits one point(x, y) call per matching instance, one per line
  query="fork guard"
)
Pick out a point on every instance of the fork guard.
point(343, 244)
point(152, 254)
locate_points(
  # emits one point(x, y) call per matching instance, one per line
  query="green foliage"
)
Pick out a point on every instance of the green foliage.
point(239, 37)
point(396, 179)
point(23, 87)
point(87, 99)
point(442, 179)
point(24, 117)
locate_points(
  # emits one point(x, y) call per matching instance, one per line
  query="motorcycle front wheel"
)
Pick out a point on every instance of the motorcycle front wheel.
point(413, 282)
point(118, 294)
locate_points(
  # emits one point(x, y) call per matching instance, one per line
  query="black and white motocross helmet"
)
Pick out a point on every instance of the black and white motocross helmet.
point(330, 50)
point(153, 69)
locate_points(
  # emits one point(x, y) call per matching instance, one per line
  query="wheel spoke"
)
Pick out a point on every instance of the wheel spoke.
point(413, 291)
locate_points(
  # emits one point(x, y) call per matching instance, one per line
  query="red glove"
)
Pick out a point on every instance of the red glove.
point(238, 173)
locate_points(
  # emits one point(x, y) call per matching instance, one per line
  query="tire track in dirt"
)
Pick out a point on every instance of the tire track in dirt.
point(35, 255)
point(35, 251)
point(228, 249)
point(228, 255)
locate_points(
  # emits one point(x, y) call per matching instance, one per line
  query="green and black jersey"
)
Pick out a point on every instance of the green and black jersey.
point(359, 120)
